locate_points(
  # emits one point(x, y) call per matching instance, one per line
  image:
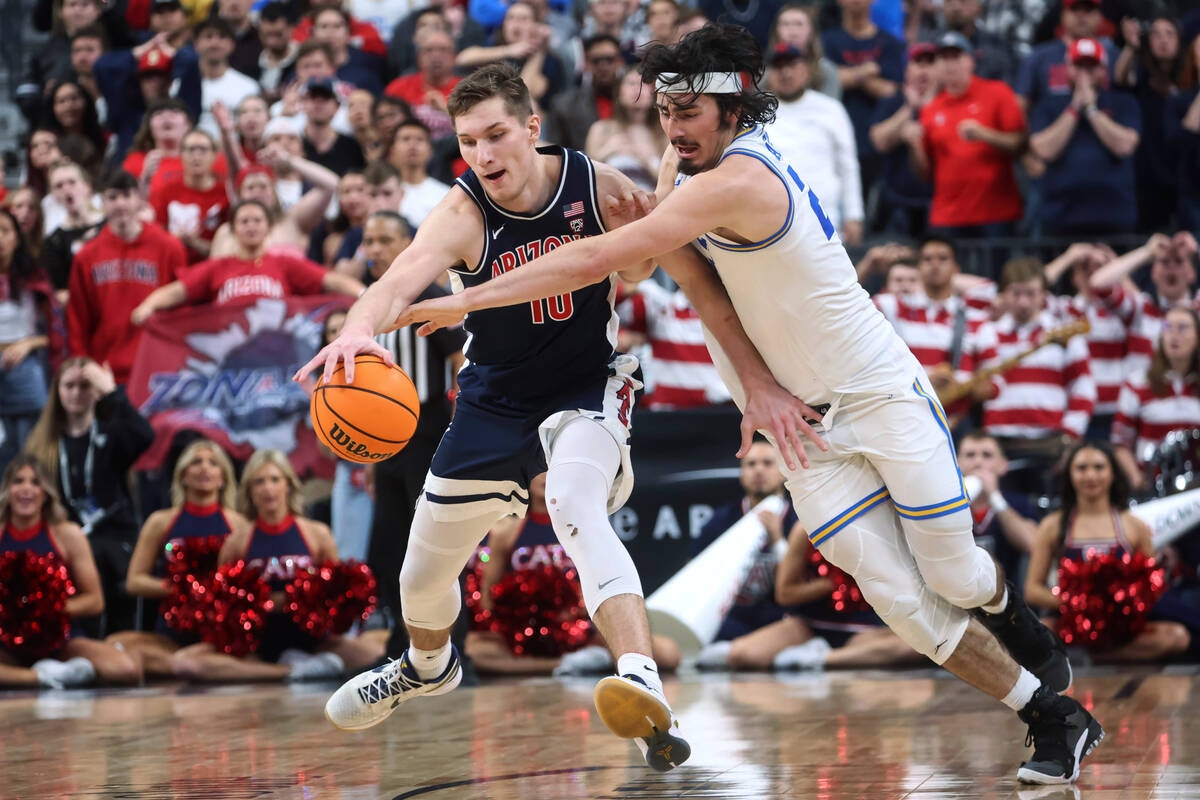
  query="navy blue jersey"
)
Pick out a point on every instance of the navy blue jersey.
point(34, 540)
point(529, 351)
point(281, 551)
point(192, 522)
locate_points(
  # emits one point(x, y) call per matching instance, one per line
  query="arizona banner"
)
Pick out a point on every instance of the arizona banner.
point(226, 372)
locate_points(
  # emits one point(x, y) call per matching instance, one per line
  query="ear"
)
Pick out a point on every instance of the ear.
point(535, 127)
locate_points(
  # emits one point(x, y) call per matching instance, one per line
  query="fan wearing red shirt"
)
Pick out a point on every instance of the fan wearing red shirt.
point(362, 34)
point(156, 156)
point(251, 274)
point(113, 273)
point(192, 205)
point(427, 89)
point(972, 132)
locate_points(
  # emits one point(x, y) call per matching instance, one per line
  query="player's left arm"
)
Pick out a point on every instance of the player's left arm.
point(622, 202)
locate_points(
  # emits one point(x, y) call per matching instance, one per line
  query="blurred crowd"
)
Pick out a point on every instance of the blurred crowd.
point(219, 151)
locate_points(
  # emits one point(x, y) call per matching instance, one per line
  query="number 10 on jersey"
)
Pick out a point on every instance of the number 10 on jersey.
point(557, 308)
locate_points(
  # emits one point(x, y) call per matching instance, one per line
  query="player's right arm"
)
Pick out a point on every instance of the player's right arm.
point(451, 234)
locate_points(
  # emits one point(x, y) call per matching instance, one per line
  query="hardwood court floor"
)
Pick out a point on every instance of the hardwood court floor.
point(844, 735)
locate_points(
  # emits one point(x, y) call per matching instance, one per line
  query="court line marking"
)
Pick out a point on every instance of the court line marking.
point(516, 776)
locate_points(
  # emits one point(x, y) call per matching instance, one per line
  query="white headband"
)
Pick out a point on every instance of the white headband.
point(704, 83)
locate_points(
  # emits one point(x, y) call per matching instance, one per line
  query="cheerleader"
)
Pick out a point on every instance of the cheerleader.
point(33, 520)
point(203, 489)
point(1094, 520)
point(280, 543)
point(1161, 399)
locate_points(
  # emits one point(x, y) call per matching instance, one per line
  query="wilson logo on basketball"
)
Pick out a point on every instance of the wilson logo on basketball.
point(351, 447)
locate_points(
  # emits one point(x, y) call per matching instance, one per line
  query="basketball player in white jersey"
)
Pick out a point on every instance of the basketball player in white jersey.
point(885, 500)
point(542, 390)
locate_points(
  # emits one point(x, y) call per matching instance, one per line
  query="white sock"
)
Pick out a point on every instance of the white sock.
point(1022, 691)
point(429, 663)
point(1000, 606)
point(641, 665)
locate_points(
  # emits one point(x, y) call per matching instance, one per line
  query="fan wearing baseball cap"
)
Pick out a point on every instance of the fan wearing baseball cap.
point(1087, 139)
point(1044, 70)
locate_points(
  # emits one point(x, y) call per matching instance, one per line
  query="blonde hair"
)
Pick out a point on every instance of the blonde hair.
point(260, 459)
point(43, 440)
point(52, 510)
point(227, 497)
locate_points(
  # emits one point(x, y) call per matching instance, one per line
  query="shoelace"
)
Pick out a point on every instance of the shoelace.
point(391, 682)
point(1053, 721)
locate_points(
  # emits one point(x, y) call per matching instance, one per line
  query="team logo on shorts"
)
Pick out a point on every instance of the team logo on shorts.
point(577, 225)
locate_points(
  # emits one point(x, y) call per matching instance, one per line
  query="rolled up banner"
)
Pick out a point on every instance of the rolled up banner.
point(693, 603)
point(1170, 517)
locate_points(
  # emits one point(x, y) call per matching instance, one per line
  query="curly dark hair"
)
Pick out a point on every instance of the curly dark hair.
point(718, 48)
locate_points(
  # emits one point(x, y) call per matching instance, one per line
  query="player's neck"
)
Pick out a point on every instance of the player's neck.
point(1092, 506)
point(542, 181)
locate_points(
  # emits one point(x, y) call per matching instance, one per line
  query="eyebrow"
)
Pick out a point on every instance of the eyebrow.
point(486, 130)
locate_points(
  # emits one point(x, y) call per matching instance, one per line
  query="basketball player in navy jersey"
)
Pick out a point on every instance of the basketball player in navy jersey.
point(884, 500)
point(543, 390)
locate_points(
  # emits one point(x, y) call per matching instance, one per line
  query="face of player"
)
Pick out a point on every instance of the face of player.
point(75, 391)
point(1091, 474)
point(411, 148)
point(167, 129)
point(794, 27)
point(198, 154)
point(251, 227)
point(903, 279)
point(84, 52)
point(68, 106)
point(383, 240)
point(121, 207)
point(695, 128)
point(259, 188)
point(252, 119)
point(70, 188)
point(498, 146)
point(25, 494)
point(352, 196)
point(937, 266)
point(269, 490)
point(1179, 336)
point(981, 455)
point(1025, 299)
point(760, 474)
point(1172, 275)
point(204, 475)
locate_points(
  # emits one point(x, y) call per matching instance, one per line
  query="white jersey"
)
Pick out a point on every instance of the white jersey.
point(798, 297)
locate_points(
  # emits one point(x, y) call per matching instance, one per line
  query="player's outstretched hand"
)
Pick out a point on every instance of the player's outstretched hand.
point(631, 206)
point(352, 341)
point(773, 410)
point(441, 312)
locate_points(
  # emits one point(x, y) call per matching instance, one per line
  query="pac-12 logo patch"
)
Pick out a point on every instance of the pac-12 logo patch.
point(577, 225)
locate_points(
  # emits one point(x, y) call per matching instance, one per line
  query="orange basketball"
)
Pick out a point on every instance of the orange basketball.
point(371, 419)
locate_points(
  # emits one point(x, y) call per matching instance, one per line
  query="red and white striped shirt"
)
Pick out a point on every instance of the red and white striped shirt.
point(1048, 392)
point(679, 372)
point(1144, 418)
point(927, 327)
point(1143, 315)
point(1106, 344)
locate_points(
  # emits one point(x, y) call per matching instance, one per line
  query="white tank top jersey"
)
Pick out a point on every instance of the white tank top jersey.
point(798, 297)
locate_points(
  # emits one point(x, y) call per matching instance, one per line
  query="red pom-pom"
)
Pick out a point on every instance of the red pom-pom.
point(329, 598)
point(846, 596)
point(540, 612)
point(1105, 600)
point(33, 604)
point(478, 617)
point(190, 568)
point(238, 603)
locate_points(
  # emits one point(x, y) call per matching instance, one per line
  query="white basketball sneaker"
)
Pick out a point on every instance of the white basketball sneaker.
point(369, 697)
point(55, 674)
point(632, 709)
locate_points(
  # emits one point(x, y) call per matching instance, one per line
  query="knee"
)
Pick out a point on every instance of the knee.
point(1175, 638)
point(570, 506)
point(967, 580)
point(743, 654)
point(120, 668)
point(666, 653)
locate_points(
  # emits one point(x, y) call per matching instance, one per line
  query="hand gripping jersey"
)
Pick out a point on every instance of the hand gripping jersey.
point(537, 349)
point(799, 299)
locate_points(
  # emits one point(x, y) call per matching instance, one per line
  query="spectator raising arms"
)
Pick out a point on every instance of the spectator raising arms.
point(113, 273)
point(34, 522)
point(1164, 398)
point(1087, 140)
point(251, 273)
point(23, 331)
point(91, 435)
point(203, 495)
point(1094, 519)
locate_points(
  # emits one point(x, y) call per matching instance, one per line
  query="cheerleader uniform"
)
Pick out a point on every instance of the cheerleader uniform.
point(191, 522)
point(281, 552)
point(35, 540)
point(1081, 551)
